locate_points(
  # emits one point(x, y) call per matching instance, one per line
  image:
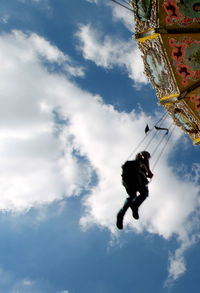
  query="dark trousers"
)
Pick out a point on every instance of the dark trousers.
point(134, 201)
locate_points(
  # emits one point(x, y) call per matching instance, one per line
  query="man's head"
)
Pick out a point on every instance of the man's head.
point(146, 154)
point(143, 155)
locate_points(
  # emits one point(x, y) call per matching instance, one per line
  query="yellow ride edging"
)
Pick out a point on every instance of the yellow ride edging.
point(151, 37)
point(196, 141)
point(168, 99)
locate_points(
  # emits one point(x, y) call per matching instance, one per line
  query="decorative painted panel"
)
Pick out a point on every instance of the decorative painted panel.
point(157, 67)
point(181, 12)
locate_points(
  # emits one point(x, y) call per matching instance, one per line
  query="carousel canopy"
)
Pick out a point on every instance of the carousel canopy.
point(168, 35)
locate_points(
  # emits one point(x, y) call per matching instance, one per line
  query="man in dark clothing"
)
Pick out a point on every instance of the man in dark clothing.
point(134, 179)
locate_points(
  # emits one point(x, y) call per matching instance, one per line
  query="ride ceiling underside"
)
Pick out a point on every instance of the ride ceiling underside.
point(168, 35)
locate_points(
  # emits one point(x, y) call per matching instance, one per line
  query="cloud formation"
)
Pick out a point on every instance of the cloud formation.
point(109, 52)
point(40, 4)
point(123, 15)
point(37, 165)
point(10, 282)
point(92, 1)
point(55, 138)
point(120, 14)
point(4, 19)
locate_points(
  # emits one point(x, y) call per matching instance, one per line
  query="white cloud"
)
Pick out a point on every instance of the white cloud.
point(37, 166)
point(34, 1)
point(40, 4)
point(110, 52)
point(10, 283)
point(24, 286)
point(123, 15)
point(44, 49)
point(119, 13)
point(93, 1)
point(4, 19)
point(188, 236)
point(46, 121)
point(38, 47)
point(74, 71)
point(177, 267)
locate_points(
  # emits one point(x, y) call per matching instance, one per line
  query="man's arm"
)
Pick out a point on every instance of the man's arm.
point(149, 173)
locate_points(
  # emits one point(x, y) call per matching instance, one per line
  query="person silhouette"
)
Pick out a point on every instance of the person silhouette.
point(134, 179)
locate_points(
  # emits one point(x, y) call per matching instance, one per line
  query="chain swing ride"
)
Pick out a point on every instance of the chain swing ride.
point(168, 35)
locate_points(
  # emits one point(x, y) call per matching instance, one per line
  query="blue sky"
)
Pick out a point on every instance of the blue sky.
point(74, 104)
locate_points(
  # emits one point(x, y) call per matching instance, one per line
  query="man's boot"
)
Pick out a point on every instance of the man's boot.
point(120, 217)
point(121, 213)
point(135, 213)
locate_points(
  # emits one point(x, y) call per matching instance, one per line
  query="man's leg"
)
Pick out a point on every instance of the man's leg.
point(121, 213)
point(123, 210)
point(144, 192)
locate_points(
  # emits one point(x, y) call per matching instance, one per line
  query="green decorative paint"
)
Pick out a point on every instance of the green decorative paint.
point(189, 8)
point(143, 9)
